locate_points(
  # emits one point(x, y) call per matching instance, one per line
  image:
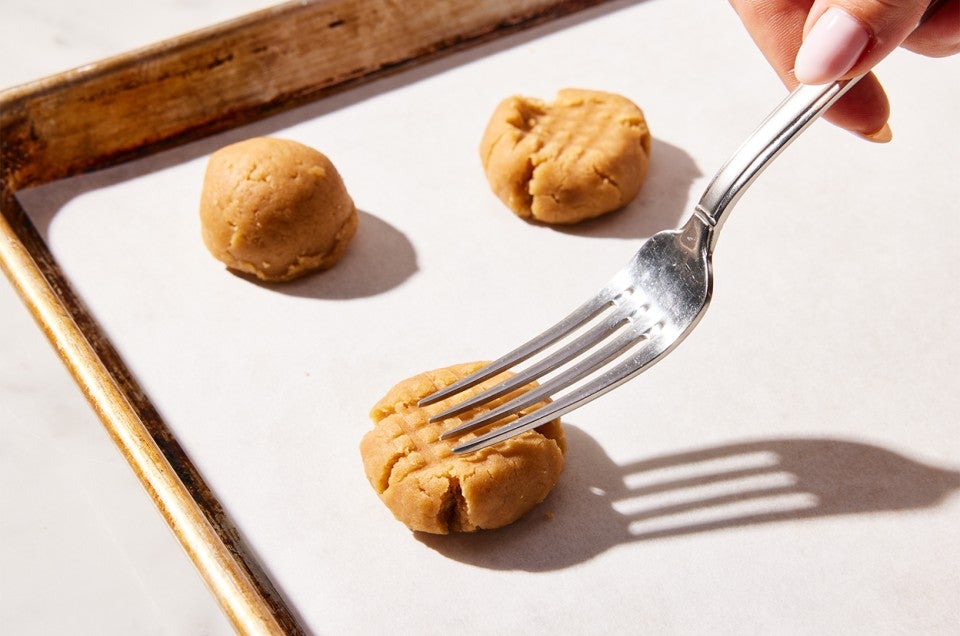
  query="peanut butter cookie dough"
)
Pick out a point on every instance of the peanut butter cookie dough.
point(429, 488)
point(581, 156)
point(275, 208)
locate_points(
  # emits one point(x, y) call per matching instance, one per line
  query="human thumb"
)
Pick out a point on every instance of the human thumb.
point(848, 37)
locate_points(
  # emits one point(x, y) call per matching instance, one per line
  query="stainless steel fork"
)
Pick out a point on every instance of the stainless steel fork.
point(645, 310)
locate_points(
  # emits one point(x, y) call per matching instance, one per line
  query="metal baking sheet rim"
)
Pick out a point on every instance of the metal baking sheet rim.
point(245, 593)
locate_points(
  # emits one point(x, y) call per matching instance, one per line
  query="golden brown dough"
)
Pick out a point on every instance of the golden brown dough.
point(429, 488)
point(275, 208)
point(581, 156)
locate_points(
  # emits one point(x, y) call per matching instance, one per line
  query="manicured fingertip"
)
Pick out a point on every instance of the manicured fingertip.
point(832, 47)
point(882, 136)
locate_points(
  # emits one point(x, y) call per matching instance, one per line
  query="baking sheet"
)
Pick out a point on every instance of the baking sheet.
point(821, 386)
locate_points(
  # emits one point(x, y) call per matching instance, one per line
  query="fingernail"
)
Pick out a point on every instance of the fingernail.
point(831, 48)
point(882, 136)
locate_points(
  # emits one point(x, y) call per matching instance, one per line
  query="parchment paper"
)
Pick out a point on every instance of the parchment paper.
point(791, 467)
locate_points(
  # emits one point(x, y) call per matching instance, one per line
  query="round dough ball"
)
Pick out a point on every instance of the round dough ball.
point(429, 488)
point(275, 208)
point(581, 156)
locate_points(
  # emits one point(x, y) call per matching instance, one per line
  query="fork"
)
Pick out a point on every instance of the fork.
point(644, 311)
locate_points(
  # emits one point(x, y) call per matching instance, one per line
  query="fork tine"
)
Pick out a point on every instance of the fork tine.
point(591, 363)
point(577, 317)
point(597, 334)
point(648, 354)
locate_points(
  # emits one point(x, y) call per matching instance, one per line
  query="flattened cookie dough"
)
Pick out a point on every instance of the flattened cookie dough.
point(275, 208)
point(429, 488)
point(581, 156)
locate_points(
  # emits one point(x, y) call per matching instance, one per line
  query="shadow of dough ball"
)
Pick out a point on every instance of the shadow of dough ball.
point(581, 156)
point(275, 208)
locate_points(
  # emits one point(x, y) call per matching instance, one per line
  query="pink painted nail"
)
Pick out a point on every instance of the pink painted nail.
point(831, 48)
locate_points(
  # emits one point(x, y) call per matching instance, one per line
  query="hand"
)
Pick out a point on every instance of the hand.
point(820, 41)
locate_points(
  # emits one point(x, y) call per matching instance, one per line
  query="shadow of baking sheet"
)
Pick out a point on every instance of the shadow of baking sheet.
point(599, 504)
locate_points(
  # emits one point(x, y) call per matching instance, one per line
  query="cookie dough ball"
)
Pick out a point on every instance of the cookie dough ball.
point(275, 208)
point(429, 488)
point(581, 156)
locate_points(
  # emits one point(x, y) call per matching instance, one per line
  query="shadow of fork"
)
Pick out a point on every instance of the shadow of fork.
point(600, 504)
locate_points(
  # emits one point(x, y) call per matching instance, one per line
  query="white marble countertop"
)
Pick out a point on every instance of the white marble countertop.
point(853, 427)
point(82, 549)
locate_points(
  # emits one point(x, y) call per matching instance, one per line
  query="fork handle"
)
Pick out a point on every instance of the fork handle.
point(800, 109)
point(794, 114)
